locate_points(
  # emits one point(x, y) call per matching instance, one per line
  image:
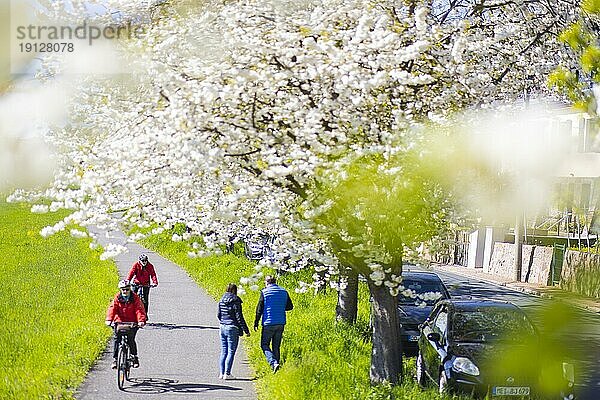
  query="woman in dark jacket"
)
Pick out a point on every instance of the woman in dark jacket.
point(233, 325)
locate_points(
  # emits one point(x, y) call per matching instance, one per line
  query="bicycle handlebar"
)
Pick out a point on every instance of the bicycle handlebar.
point(115, 324)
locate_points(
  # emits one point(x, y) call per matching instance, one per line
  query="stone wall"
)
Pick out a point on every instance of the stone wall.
point(538, 269)
point(502, 261)
point(535, 265)
point(581, 273)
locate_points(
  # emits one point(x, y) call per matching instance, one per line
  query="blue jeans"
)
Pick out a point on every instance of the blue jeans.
point(230, 337)
point(271, 334)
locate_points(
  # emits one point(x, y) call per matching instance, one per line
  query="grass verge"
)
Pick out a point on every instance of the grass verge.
point(321, 359)
point(52, 304)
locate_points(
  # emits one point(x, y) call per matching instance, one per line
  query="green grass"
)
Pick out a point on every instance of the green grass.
point(321, 359)
point(52, 305)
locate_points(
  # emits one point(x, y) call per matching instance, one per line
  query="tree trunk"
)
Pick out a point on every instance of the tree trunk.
point(386, 354)
point(347, 306)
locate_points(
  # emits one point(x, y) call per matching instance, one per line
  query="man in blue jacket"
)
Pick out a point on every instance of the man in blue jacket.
point(273, 303)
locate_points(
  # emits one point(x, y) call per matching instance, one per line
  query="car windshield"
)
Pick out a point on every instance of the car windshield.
point(416, 292)
point(488, 324)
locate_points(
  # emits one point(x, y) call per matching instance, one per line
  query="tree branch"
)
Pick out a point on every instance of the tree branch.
point(248, 153)
point(537, 38)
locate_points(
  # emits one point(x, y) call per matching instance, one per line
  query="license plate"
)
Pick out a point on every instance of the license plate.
point(510, 391)
point(412, 338)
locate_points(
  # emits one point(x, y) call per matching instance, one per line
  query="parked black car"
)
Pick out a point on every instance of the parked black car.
point(464, 347)
point(426, 288)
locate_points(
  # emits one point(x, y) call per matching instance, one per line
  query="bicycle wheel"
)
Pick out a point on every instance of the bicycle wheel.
point(121, 366)
point(127, 364)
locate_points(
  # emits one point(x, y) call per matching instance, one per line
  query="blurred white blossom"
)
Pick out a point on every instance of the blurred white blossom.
point(39, 208)
point(76, 233)
point(112, 250)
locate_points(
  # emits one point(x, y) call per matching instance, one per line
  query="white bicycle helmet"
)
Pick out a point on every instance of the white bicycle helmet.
point(123, 284)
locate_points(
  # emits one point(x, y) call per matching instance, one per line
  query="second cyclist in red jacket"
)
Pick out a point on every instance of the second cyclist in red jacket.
point(143, 275)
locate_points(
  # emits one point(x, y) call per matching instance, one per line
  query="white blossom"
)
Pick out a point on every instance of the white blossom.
point(241, 105)
point(76, 233)
point(112, 250)
point(39, 208)
point(244, 280)
point(135, 237)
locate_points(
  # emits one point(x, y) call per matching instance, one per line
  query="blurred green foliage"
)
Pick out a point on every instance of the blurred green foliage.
point(373, 206)
point(591, 6)
point(582, 38)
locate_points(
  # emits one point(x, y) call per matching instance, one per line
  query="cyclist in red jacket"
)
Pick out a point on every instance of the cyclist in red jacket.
point(143, 274)
point(126, 307)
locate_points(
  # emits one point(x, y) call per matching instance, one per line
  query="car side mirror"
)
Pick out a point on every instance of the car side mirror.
point(434, 337)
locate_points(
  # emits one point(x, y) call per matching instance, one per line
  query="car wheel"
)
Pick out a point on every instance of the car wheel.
point(443, 384)
point(421, 378)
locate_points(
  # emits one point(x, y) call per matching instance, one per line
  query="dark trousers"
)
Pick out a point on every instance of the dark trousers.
point(271, 335)
point(144, 293)
point(130, 342)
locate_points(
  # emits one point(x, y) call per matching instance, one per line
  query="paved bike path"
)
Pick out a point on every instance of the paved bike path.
point(178, 349)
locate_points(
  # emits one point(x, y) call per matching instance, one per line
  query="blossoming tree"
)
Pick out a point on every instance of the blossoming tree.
point(234, 112)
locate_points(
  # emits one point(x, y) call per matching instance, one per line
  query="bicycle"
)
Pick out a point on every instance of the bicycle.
point(124, 359)
point(141, 291)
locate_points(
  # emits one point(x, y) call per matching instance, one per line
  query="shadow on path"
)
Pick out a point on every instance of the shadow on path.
point(161, 325)
point(160, 385)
